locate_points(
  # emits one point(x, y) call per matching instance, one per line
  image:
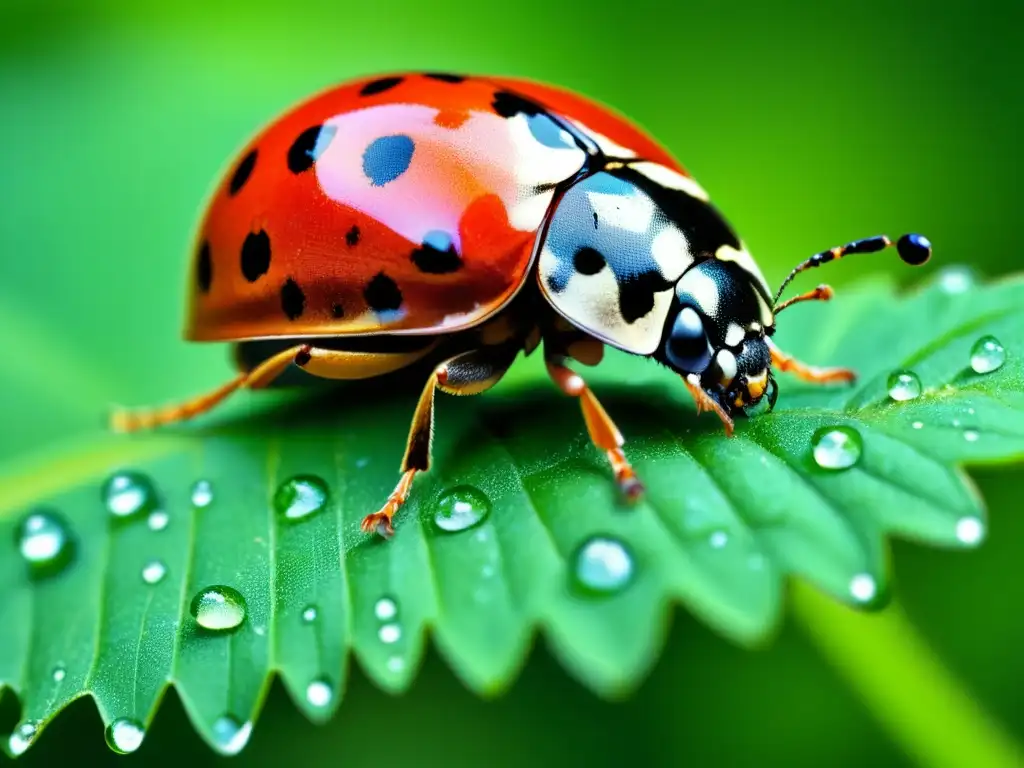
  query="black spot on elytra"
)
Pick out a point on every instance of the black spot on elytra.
point(293, 300)
point(588, 261)
point(437, 255)
point(382, 294)
point(242, 173)
point(508, 104)
point(255, 255)
point(337, 310)
point(379, 86)
point(204, 268)
point(310, 144)
point(352, 236)
point(444, 77)
point(636, 296)
point(302, 357)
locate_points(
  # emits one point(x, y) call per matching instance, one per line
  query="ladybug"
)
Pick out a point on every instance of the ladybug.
point(463, 220)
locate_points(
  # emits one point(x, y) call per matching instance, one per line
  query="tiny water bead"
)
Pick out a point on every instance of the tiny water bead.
point(385, 609)
point(395, 664)
point(918, 425)
point(158, 520)
point(956, 279)
point(987, 355)
point(603, 564)
point(124, 735)
point(836, 447)
point(153, 572)
point(461, 508)
point(44, 542)
point(22, 737)
point(319, 693)
point(128, 493)
point(202, 494)
point(309, 614)
point(904, 385)
point(718, 539)
point(300, 496)
point(218, 608)
point(863, 588)
point(970, 530)
point(389, 633)
point(972, 435)
point(58, 674)
point(230, 735)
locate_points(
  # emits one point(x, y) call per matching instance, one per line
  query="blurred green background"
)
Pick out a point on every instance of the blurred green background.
point(809, 124)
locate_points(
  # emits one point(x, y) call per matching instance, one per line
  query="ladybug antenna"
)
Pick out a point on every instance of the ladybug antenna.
point(913, 249)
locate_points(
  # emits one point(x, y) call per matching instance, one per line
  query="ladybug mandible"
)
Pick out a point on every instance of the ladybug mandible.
point(465, 220)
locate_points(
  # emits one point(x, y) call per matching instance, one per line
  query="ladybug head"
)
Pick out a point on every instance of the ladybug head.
point(715, 334)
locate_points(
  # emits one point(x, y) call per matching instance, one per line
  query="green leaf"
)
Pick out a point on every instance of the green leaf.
point(724, 523)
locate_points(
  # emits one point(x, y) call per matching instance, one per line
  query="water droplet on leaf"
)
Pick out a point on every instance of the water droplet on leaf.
point(970, 530)
point(229, 735)
point(158, 520)
point(836, 447)
point(44, 542)
point(389, 633)
point(309, 614)
point(59, 673)
point(300, 496)
point(124, 735)
point(202, 494)
point(719, 539)
point(461, 508)
point(385, 609)
point(863, 588)
point(956, 279)
point(904, 385)
point(987, 355)
point(218, 608)
point(22, 738)
point(972, 435)
point(918, 425)
point(603, 564)
point(128, 493)
point(396, 664)
point(319, 693)
point(153, 572)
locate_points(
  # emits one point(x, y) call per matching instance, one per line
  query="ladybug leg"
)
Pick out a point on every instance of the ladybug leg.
point(325, 363)
point(603, 432)
point(469, 373)
point(705, 402)
point(260, 376)
point(785, 362)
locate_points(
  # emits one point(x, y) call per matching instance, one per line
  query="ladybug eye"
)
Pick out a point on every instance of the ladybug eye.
point(687, 345)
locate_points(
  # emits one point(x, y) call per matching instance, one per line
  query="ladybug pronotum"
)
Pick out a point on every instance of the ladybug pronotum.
point(479, 218)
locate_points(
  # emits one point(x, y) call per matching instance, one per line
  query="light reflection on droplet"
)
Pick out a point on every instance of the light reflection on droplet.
point(863, 588)
point(970, 530)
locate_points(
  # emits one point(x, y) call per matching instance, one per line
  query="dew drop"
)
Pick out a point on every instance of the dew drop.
point(202, 494)
point(389, 633)
point(904, 385)
point(124, 735)
point(158, 520)
point(300, 496)
point(229, 735)
point(718, 539)
point(956, 279)
point(987, 355)
point(461, 508)
point(385, 609)
point(309, 614)
point(918, 425)
point(319, 693)
point(970, 530)
point(836, 447)
point(972, 435)
point(603, 565)
point(395, 664)
point(863, 588)
point(59, 673)
point(44, 542)
point(128, 493)
point(218, 608)
point(154, 571)
point(22, 738)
